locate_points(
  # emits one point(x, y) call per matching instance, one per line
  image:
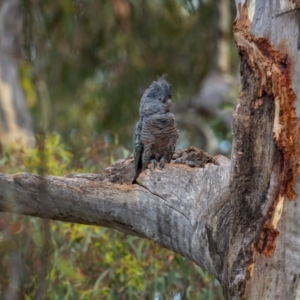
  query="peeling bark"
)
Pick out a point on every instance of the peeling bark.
point(265, 158)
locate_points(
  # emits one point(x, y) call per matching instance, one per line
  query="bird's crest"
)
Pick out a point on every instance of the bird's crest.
point(162, 77)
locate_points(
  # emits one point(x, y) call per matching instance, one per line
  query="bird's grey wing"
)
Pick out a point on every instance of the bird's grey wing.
point(152, 127)
point(172, 134)
point(159, 136)
point(154, 138)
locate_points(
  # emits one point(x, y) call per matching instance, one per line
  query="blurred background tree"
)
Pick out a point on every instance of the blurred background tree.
point(90, 61)
point(84, 66)
point(15, 121)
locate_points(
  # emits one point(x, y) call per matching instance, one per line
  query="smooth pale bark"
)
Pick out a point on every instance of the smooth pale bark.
point(15, 121)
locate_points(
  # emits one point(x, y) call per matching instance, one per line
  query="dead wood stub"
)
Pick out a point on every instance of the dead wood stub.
point(123, 171)
point(193, 157)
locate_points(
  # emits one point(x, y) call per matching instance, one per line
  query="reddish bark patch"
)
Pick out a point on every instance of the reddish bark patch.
point(265, 244)
point(288, 141)
point(273, 69)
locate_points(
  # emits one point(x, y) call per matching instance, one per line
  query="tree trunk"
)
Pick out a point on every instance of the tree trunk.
point(238, 219)
point(15, 121)
point(265, 157)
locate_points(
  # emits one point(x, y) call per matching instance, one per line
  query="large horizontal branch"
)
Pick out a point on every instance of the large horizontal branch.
point(184, 207)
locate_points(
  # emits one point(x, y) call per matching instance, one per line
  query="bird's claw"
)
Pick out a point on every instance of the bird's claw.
point(153, 162)
point(162, 163)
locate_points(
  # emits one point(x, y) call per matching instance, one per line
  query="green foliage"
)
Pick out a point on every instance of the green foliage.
point(50, 154)
point(86, 64)
point(94, 59)
point(69, 261)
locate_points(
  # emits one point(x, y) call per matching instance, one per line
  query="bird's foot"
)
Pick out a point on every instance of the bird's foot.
point(162, 163)
point(153, 162)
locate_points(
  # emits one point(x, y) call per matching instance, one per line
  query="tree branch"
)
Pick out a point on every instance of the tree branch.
point(182, 208)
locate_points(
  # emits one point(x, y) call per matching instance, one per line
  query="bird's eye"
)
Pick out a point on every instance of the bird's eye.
point(170, 87)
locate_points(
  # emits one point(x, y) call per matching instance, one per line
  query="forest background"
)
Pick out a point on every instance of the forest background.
point(84, 65)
